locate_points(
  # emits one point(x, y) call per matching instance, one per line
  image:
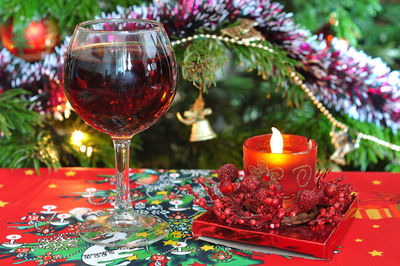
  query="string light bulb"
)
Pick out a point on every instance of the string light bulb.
point(89, 151)
point(77, 137)
point(82, 148)
point(67, 110)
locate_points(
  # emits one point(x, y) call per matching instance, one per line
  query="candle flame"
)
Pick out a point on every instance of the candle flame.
point(276, 141)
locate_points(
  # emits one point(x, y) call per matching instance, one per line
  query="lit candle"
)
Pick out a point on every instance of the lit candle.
point(288, 160)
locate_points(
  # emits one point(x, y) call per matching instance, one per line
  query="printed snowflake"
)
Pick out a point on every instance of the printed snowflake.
point(58, 242)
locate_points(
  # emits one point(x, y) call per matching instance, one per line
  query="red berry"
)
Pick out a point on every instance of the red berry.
point(268, 201)
point(272, 226)
point(253, 222)
point(217, 203)
point(228, 171)
point(197, 201)
point(225, 186)
point(275, 202)
point(228, 212)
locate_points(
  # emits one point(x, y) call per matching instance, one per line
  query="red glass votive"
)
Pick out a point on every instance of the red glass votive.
point(293, 169)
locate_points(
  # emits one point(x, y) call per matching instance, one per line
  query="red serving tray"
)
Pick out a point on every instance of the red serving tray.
point(302, 238)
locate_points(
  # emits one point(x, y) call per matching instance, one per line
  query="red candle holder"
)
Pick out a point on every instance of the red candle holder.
point(252, 210)
point(294, 168)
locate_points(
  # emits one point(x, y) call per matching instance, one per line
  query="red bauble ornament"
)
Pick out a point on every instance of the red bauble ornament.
point(39, 38)
point(228, 171)
point(250, 184)
point(263, 196)
point(330, 190)
point(307, 199)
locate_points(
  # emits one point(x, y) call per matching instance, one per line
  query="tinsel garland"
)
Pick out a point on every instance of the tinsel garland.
point(340, 76)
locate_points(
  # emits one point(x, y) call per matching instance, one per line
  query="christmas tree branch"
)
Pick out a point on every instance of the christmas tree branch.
point(201, 61)
point(24, 142)
point(273, 63)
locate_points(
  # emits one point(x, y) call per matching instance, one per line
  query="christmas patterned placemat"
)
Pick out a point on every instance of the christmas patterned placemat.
point(40, 216)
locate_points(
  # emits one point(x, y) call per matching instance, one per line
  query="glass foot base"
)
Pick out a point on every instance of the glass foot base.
point(138, 231)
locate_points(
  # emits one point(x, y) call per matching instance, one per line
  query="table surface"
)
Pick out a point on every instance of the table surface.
point(40, 216)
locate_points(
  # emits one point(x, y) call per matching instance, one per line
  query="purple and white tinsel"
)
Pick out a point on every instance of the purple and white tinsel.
point(340, 76)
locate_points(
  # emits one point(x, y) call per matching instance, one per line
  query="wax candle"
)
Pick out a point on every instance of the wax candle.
point(293, 167)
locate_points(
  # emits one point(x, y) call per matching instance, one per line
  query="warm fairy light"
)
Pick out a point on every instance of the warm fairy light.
point(89, 151)
point(67, 110)
point(276, 141)
point(82, 148)
point(77, 137)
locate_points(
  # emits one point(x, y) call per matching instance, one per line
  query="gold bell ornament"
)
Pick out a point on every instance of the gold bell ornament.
point(195, 117)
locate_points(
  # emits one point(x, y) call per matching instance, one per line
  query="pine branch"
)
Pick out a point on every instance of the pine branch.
point(274, 66)
point(370, 154)
point(15, 115)
point(25, 142)
point(25, 151)
point(201, 61)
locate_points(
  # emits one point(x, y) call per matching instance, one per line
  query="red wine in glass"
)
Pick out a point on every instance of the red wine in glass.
point(119, 97)
point(120, 77)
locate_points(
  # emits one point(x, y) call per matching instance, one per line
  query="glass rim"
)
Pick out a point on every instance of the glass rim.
point(81, 26)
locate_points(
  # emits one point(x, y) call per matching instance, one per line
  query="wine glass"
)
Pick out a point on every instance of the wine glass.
point(120, 77)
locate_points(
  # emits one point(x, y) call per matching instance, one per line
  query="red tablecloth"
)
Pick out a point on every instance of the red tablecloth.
point(34, 232)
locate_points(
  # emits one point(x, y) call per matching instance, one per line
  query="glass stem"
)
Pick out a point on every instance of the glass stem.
point(123, 206)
